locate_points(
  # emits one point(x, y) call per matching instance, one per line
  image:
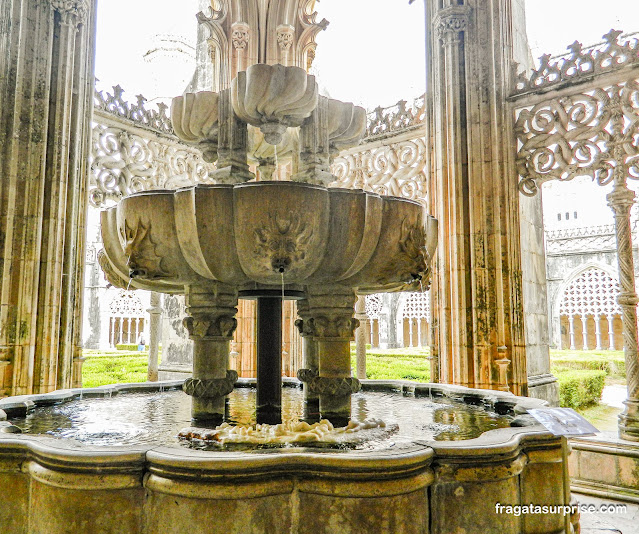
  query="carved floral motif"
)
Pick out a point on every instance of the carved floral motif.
point(452, 20)
point(338, 326)
point(335, 387)
point(400, 116)
point(70, 9)
point(123, 163)
point(581, 63)
point(282, 242)
point(221, 325)
point(398, 169)
point(114, 104)
point(586, 134)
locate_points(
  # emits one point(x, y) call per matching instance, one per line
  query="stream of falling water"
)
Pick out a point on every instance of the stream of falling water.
point(130, 277)
point(275, 173)
point(282, 274)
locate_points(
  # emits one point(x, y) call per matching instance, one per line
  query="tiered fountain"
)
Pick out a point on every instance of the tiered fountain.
point(271, 240)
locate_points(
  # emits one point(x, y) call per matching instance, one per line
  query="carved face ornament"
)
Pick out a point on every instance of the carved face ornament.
point(140, 251)
point(282, 242)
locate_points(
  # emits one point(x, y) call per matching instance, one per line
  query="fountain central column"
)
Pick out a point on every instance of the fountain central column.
point(331, 324)
point(210, 323)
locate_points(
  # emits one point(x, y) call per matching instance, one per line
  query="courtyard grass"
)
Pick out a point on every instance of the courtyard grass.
point(612, 362)
point(408, 363)
point(101, 368)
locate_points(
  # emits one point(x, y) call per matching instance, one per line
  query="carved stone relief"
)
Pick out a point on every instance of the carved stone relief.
point(581, 64)
point(398, 169)
point(585, 134)
point(141, 250)
point(285, 36)
point(283, 241)
point(240, 35)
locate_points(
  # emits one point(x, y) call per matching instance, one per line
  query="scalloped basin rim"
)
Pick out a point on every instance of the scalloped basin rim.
point(265, 183)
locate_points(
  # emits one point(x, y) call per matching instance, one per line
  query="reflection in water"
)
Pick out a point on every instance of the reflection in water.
point(156, 418)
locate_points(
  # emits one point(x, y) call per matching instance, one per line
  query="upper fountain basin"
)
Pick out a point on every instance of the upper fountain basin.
point(258, 231)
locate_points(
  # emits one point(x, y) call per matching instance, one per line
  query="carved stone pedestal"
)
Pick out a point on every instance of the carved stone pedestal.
point(211, 323)
point(331, 324)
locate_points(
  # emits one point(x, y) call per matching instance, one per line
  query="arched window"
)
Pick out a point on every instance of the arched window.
point(415, 319)
point(374, 306)
point(127, 315)
point(590, 317)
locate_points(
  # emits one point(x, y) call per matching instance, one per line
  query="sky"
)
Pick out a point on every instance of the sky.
point(372, 53)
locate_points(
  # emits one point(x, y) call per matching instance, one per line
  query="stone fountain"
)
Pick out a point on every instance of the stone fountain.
point(269, 240)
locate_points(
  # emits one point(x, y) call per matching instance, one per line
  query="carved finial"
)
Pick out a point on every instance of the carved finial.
point(612, 36)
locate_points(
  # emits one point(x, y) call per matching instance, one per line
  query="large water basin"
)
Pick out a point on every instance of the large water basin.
point(124, 475)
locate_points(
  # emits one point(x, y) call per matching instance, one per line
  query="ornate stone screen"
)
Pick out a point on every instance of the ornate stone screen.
point(414, 314)
point(126, 318)
point(590, 311)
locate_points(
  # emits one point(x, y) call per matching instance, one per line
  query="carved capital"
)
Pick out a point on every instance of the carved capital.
point(71, 10)
point(621, 200)
point(211, 326)
point(335, 326)
point(210, 388)
point(452, 20)
point(336, 387)
point(285, 36)
point(240, 35)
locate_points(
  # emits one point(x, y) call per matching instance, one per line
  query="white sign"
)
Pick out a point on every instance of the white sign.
point(563, 421)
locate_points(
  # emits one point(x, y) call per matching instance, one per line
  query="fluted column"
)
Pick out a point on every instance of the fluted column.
point(210, 322)
point(46, 89)
point(477, 288)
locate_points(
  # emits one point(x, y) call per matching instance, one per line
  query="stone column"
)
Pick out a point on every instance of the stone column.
point(46, 87)
point(477, 287)
point(314, 163)
point(210, 322)
point(232, 166)
point(360, 336)
point(331, 323)
point(621, 200)
point(155, 334)
point(311, 362)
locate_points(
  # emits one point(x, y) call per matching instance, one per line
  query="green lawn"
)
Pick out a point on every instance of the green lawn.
point(396, 364)
point(113, 367)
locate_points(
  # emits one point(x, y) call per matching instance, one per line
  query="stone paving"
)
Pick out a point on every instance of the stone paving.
point(608, 523)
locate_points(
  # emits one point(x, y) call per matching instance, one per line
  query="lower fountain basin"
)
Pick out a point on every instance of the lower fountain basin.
point(53, 486)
